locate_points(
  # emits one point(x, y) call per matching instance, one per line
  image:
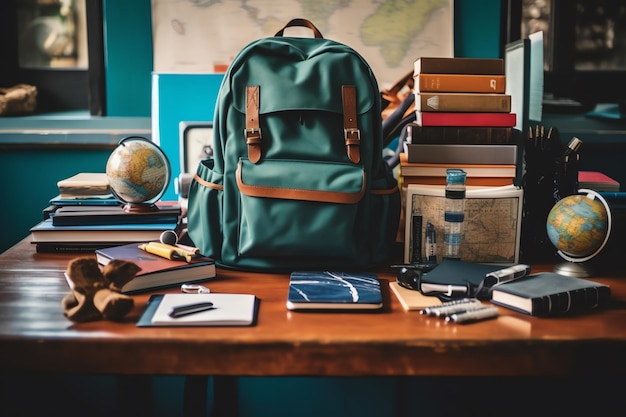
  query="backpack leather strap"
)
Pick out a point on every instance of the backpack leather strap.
point(252, 132)
point(352, 135)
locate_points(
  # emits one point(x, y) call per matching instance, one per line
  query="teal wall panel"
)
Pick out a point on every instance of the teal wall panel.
point(128, 57)
point(31, 181)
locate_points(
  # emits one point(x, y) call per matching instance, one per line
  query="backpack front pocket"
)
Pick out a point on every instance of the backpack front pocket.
point(314, 203)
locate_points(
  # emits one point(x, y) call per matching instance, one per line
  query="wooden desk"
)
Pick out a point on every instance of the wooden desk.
point(35, 336)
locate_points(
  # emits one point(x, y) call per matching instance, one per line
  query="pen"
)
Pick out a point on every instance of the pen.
point(474, 315)
point(431, 243)
point(185, 310)
point(458, 308)
point(431, 310)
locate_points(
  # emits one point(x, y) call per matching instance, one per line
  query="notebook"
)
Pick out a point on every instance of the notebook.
point(328, 290)
point(227, 310)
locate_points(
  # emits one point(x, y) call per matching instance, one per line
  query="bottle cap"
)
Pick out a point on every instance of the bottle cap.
point(455, 176)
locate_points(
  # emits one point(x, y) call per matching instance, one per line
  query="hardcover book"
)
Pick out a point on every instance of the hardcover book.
point(105, 200)
point(441, 180)
point(327, 290)
point(46, 232)
point(226, 310)
point(457, 65)
point(551, 294)
point(460, 83)
point(113, 215)
point(463, 102)
point(439, 169)
point(157, 272)
point(465, 135)
point(597, 181)
point(443, 153)
point(84, 184)
point(423, 118)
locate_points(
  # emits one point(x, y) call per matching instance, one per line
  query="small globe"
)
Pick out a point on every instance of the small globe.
point(138, 172)
point(579, 225)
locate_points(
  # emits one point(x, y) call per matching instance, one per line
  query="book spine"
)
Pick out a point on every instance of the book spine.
point(464, 119)
point(470, 180)
point(478, 135)
point(66, 220)
point(446, 65)
point(462, 154)
point(463, 102)
point(460, 83)
point(574, 301)
point(61, 248)
point(477, 170)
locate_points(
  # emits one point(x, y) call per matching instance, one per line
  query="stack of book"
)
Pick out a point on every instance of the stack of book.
point(463, 120)
point(90, 217)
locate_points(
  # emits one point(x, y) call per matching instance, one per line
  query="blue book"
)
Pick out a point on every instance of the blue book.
point(327, 290)
point(46, 232)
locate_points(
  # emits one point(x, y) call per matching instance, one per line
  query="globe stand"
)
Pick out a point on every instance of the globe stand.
point(580, 267)
point(139, 207)
point(575, 269)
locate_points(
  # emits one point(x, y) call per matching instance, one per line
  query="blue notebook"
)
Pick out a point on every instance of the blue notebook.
point(327, 290)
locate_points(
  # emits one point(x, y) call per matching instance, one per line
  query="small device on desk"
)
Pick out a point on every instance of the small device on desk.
point(196, 144)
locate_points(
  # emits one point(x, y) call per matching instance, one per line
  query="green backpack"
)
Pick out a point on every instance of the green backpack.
point(297, 179)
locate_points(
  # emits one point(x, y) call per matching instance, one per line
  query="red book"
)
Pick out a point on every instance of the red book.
point(465, 119)
point(597, 181)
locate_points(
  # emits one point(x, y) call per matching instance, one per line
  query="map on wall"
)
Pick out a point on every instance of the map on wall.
point(203, 36)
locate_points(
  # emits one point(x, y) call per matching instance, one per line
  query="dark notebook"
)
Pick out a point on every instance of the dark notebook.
point(326, 290)
point(551, 294)
point(455, 278)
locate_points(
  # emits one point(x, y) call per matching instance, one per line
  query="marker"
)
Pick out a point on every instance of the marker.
point(186, 310)
point(459, 308)
point(432, 310)
point(474, 315)
point(505, 275)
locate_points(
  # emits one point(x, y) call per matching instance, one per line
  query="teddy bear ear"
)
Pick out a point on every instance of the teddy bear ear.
point(84, 272)
point(119, 272)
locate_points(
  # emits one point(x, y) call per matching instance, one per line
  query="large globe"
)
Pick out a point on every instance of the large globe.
point(138, 172)
point(579, 225)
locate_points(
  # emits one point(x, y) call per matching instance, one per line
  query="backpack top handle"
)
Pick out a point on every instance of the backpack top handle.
point(301, 22)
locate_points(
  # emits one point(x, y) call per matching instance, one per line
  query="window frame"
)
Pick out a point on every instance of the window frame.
point(58, 89)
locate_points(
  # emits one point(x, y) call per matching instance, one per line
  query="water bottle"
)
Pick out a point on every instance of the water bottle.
point(454, 213)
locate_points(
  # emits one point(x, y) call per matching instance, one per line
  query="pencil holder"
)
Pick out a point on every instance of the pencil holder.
point(550, 174)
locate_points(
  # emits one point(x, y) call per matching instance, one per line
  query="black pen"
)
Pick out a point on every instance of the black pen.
point(185, 310)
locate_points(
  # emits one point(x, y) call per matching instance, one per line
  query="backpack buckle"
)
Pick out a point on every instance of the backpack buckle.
point(253, 140)
point(352, 136)
point(252, 135)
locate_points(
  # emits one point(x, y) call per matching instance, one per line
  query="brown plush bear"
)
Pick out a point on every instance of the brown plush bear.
point(96, 294)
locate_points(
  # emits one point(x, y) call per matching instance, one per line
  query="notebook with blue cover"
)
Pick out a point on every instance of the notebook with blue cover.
point(328, 290)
